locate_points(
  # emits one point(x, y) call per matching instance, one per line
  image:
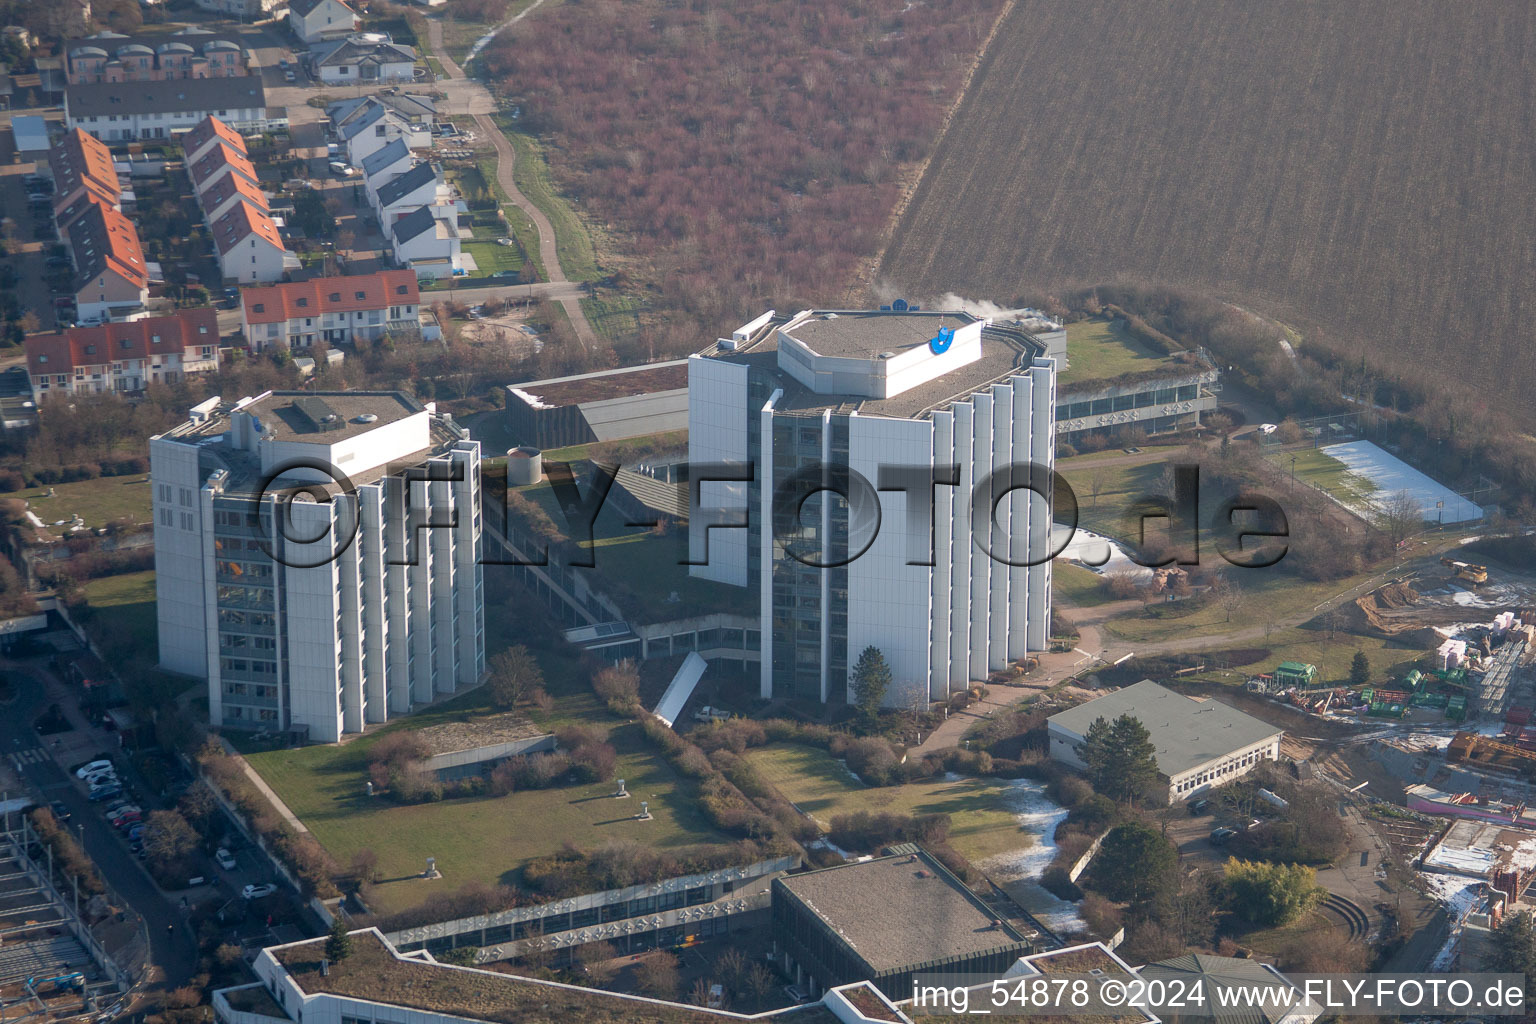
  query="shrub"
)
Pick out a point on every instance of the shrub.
point(594, 762)
point(872, 760)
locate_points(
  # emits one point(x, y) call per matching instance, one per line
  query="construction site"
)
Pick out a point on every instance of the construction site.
point(53, 963)
point(1445, 749)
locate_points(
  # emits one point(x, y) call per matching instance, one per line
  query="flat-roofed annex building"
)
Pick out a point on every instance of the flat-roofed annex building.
point(1200, 744)
point(883, 921)
point(318, 617)
point(874, 391)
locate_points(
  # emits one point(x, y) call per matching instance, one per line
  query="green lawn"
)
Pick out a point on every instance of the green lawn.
point(1328, 474)
point(612, 316)
point(98, 501)
point(1098, 349)
point(1077, 586)
point(128, 598)
point(484, 839)
point(982, 825)
point(1119, 488)
point(491, 258)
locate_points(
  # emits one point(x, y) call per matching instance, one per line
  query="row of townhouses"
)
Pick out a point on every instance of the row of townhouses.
point(333, 310)
point(416, 207)
point(250, 248)
point(111, 276)
point(124, 89)
point(125, 356)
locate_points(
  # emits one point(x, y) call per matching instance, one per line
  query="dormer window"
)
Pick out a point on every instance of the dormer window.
point(361, 295)
point(90, 350)
point(401, 289)
point(42, 359)
point(202, 330)
point(302, 301)
point(154, 339)
point(259, 307)
point(335, 296)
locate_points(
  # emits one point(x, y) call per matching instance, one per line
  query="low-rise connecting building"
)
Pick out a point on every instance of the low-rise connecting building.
point(1200, 744)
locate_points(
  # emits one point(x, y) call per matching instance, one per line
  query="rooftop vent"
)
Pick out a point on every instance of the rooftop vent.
point(321, 416)
point(366, 417)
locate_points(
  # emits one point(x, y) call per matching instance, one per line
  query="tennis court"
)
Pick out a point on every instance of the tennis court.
point(1392, 476)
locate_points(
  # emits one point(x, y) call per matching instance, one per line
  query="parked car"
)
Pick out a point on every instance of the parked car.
point(94, 766)
point(136, 834)
point(225, 858)
point(124, 811)
point(256, 892)
point(127, 819)
point(103, 778)
point(61, 813)
point(1199, 807)
point(1222, 835)
point(106, 793)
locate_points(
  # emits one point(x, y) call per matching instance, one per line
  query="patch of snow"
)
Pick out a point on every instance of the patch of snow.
point(534, 401)
point(1096, 552)
point(1474, 861)
point(1038, 816)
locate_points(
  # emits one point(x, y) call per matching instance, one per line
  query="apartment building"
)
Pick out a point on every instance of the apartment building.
point(335, 310)
point(946, 599)
point(123, 357)
point(317, 618)
point(139, 110)
point(108, 57)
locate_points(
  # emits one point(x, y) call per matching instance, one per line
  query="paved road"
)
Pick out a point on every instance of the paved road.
point(173, 946)
point(506, 159)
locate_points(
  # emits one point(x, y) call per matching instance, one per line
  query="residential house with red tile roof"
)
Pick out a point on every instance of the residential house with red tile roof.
point(111, 278)
point(335, 310)
point(83, 173)
point(228, 189)
point(196, 143)
point(123, 356)
point(250, 249)
point(217, 159)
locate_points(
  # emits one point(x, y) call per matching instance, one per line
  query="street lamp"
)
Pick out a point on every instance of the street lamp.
point(1293, 471)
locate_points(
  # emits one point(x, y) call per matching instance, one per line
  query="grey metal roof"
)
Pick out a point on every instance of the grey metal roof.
point(409, 182)
point(1225, 973)
point(901, 911)
point(359, 51)
point(414, 223)
point(1186, 732)
point(182, 95)
point(382, 157)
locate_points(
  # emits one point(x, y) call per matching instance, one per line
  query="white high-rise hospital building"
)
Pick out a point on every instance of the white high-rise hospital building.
point(873, 390)
point(317, 558)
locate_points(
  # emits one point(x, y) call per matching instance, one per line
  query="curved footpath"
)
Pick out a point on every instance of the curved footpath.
point(506, 159)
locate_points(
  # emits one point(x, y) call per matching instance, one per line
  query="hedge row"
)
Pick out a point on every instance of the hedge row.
point(302, 854)
point(21, 479)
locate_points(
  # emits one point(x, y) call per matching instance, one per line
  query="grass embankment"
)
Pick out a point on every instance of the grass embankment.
point(821, 787)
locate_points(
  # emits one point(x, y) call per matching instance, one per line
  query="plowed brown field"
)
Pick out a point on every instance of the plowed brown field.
point(1366, 167)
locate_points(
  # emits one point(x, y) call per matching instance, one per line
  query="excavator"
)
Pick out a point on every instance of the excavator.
point(1474, 574)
